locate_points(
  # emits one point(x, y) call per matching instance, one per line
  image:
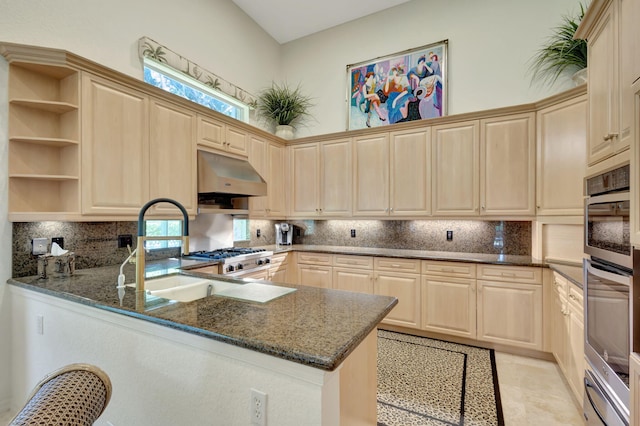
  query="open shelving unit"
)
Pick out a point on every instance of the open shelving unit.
point(44, 141)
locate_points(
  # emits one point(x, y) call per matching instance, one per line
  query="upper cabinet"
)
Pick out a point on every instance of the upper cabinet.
point(608, 132)
point(321, 179)
point(507, 165)
point(44, 142)
point(115, 148)
point(562, 157)
point(224, 137)
point(456, 172)
point(268, 158)
point(392, 174)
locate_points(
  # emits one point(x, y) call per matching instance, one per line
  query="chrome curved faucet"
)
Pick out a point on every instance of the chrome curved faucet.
point(140, 261)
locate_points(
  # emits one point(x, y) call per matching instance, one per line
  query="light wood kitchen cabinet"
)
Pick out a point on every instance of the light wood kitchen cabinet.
point(44, 136)
point(278, 272)
point(507, 165)
point(321, 179)
point(371, 175)
point(600, 27)
point(221, 136)
point(410, 172)
point(509, 306)
point(314, 269)
point(635, 170)
point(268, 158)
point(561, 157)
point(172, 164)
point(390, 279)
point(115, 148)
point(353, 273)
point(456, 174)
point(449, 298)
point(568, 333)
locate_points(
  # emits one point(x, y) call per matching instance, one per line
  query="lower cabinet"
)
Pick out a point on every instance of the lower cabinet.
point(449, 305)
point(279, 270)
point(404, 287)
point(356, 280)
point(315, 276)
point(510, 313)
point(568, 333)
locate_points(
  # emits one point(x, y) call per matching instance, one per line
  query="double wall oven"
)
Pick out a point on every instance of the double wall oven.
point(608, 286)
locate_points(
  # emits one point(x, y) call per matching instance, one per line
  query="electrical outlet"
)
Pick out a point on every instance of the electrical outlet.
point(40, 324)
point(449, 235)
point(258, 233)
point(58, 240)
point(353, 233)
point(258, 408)
point(125, 240)
point(39, 246)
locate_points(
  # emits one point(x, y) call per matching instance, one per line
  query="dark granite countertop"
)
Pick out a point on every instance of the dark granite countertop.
point(498, 259)
point(311, 326)
point(572, 272)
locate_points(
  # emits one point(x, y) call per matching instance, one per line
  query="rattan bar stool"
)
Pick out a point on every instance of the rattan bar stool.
point(72, 396)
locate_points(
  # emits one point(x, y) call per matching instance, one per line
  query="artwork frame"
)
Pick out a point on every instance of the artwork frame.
point(404, 86)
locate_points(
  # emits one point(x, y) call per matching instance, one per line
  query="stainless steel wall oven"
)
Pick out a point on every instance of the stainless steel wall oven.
point(608, 287)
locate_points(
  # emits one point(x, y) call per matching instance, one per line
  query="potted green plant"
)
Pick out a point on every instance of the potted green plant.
point(562, 53)
point(284, 107)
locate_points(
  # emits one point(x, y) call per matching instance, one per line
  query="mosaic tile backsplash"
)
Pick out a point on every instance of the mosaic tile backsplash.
point(95, 244)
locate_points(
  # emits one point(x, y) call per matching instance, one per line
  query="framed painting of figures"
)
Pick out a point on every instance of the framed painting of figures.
point(404, 86)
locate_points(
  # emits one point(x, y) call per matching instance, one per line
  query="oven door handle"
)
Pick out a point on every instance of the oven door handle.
point(609, 198)
point(611, 276)
point(587, 386)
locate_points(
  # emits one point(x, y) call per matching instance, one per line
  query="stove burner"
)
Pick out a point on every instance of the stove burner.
point(224, 253)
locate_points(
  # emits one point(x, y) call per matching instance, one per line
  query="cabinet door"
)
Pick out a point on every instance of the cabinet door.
point(236, 140)
point(305, 182)
point(115, 148)
point(410, 173)
point(278, 275)
point(211, 132)
point(371, 175)
point(172, 157)
point(359, 281)
point(404, 287)
point(336, 167)
point(449, 306)
point(603, 86)
point(507, 165)
point(575, 351)
point(258, 159)
point(315, 276)
point(456, 172)
point(560, 332)
point(510, 313)
point(276, 207)
point(562, 157)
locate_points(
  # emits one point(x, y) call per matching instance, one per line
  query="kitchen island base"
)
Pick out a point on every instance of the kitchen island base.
point(165, 376)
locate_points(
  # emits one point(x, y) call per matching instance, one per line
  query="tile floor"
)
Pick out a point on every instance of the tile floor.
point(533, 393)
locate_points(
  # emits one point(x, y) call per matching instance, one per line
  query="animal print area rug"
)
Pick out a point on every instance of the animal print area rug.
point(424, 381)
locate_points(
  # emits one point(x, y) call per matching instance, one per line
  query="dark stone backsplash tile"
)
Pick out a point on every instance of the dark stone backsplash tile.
point(469, 236)
point(95, 244)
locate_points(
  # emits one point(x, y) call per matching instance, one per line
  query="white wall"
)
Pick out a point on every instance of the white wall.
point(215, 34)
point(5, 246)
point(490, 43)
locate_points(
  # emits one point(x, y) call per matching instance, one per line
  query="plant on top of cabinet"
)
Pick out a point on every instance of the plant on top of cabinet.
point(283, 107)
point(562, 53)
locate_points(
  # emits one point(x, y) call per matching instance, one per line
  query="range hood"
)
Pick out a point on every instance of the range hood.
point(224, 183)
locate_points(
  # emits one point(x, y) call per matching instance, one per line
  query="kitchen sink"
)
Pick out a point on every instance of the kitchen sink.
point(184, 288)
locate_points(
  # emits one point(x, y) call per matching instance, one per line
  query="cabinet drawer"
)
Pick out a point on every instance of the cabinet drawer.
point(449, 269)
point(521, 274)
point(279, 259)
point(315, 258)
point(575, 298)
point(560, 284)
point(360, 262)
point(397, 265)
point(213, 269)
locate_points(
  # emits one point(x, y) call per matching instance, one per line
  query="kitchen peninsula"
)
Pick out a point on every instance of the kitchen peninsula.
point(180, 363)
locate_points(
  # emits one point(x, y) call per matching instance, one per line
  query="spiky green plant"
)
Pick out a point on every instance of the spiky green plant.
point(282, 105)
point(562, 53)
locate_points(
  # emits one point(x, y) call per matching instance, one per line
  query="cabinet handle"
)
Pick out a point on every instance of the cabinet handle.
point(483, 207)
point(507, 274)
point(391, 210)
point(573, 296)
point(609, 136)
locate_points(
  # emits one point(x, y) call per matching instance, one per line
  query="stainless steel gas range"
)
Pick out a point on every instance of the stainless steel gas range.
point(237, 261)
